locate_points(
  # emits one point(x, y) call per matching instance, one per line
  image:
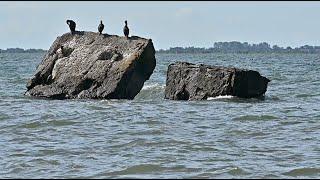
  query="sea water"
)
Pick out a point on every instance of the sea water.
point(151, 137)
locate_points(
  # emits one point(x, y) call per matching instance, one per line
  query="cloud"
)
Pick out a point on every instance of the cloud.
point(184, 12)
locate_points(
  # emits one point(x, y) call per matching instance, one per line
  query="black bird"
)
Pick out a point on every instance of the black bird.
point(100, 27)
point(126, 29)
point(72, 25)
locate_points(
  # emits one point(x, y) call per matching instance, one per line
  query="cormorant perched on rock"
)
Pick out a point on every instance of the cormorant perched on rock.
point(126, 29)
point(100, 27)
point(72, 25)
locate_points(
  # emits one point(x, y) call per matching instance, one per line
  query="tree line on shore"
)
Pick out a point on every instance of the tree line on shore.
point(218, 47)
point(20, 50)
point(238, 47)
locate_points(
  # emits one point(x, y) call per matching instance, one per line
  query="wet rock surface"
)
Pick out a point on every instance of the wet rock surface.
point(187, 81)
point(89, 65)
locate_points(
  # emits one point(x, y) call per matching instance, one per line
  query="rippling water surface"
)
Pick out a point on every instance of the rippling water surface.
point(150, 137)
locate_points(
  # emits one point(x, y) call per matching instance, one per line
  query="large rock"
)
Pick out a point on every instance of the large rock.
point(93, 66)
point(186, 81)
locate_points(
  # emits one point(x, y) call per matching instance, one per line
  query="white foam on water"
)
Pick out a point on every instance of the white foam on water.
point(220, 97)
point(153, 86)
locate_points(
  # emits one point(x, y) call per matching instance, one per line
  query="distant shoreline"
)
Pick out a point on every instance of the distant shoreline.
point(238, 47)
point(237, 53)
point(219, 47)
point(20, 50)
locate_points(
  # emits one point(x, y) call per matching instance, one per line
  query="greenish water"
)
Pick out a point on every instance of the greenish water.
point(150, 137)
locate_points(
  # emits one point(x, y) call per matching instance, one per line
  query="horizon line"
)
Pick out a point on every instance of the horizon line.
point(184, 46)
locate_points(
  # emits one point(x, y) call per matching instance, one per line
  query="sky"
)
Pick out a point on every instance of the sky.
point(169, 24)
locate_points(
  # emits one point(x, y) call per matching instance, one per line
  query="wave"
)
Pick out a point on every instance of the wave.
point(153, 91)
point(153, 86)
point(220, 97)
point(255, 117)
point(305, 95)
point(303, 172)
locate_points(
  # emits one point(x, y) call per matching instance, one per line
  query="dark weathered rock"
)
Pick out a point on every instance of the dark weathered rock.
point(95, 66)
point(186, 81)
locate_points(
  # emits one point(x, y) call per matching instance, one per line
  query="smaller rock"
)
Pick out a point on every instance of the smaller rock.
point(187, 81)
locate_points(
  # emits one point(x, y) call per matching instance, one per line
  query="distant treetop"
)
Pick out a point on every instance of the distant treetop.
point(238, 47)
point(20, 50)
